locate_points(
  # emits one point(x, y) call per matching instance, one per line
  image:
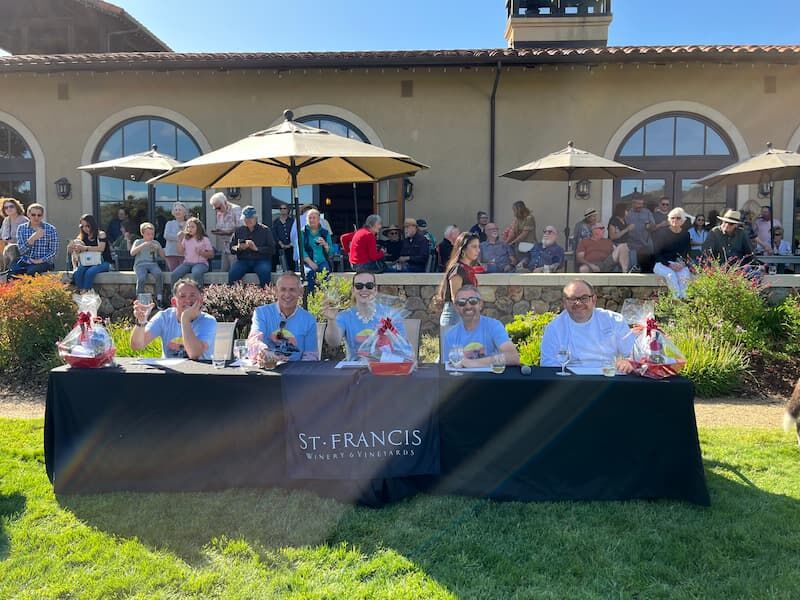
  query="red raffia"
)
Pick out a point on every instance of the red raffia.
point(386, 325)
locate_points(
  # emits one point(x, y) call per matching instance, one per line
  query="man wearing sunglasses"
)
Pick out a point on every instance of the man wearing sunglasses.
point(283, 330)
point(545, 256)
point(480, 337)
point(37, 241)
point(598, 254)
point(592, 335)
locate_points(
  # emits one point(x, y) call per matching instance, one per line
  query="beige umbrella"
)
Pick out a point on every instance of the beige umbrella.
point(765, 168)
point(134, 167)
point(568, 165)
point(291, 154)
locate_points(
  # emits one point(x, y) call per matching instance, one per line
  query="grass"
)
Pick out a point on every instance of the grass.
point(276, 544)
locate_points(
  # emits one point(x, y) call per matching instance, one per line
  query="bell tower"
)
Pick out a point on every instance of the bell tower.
point(557, 23)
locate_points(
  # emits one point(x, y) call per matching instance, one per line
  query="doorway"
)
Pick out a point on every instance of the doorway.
point(346, 205)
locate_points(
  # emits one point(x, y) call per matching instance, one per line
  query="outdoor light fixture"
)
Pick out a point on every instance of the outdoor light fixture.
point(63, 188)
point(764, 188)
point(328, 202)
point(408, 189)
point(234, 193)
point(582, 189)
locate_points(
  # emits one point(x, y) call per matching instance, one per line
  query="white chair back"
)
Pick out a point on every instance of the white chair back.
point(320, 337)
point(223, 341)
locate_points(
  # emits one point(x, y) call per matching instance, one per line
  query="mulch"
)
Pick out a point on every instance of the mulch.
point(769, 377)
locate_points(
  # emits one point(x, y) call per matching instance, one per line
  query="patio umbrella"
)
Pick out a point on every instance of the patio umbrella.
point(765, 168)
point(568, 165)
point(291, 154)
point(134, 167)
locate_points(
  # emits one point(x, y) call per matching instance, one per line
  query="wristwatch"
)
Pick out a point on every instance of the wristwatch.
point(139, 324)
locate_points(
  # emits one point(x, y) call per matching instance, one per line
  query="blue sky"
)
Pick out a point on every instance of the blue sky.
point(326, 25)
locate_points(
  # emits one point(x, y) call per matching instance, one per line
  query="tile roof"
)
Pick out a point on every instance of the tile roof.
point(400, 58)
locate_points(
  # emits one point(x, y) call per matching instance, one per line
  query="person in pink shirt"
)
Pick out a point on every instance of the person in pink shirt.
point(197, 250)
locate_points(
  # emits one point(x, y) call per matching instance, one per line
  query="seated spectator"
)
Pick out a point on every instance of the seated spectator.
point(414, 252)
point(445, 247)
point(283, 330)
point(392, 244)
point(523, 229)
point(764, 225)
point(479, 228)
point(697, 236)
point(124, 242)
point(598, 254)
point(356, 324)
point(672, 253)
point(90, 239)
point(253, 245)
point(185, 331)
point(171, 231)
point(281, 231)
point(546, 256)
point(583, 228)
point(317, 246)
point(37, 242)
point(13, 217)
point(728, 241)
point(593, 336)
point(496, 256)
point(146, 252)
point(480, 337)
point(364, 252)
point(782, 248)
point(196, 248)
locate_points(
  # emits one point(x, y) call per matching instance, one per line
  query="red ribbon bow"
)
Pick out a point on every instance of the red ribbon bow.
point(651, 325)
point(386, 325)
point(85, 322)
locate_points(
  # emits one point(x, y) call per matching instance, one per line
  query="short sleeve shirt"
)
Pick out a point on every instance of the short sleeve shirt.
point(484, 340)
point(166, 326)
point(148, 255)
point(357, 331)
point(297, 336)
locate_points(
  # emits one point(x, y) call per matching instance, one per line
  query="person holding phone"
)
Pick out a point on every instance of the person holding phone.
point(254, 247)
point(90, 239)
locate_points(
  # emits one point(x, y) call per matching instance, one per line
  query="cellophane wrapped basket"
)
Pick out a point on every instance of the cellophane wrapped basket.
point(88, 345)
point(654, 354)
point(387, 351)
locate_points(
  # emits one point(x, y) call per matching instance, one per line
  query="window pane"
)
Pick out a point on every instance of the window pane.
point(4, 134)
point(17, 146)
point(715, 144)
point(629, 186)
point(659, 137)
point(162, 134)
point(21, 189)
point(136, 138)
point(284, 194)
point(188, 194)
point(187, 149)
point(334, 127)
point(166, 194)
point(652, 186)
point(634, 145)
point(110, 189)
point(112, 148)
point(689, 140)
point(690, 194)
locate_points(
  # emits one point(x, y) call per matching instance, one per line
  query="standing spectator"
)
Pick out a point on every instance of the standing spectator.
point(422, 225)
point(414, 251)
point(146, 253)
point(37, 242)
point(445, 247)
point(598, 254)
point(545, 256)
point(619, 232)
point(13, 217)
point(671, 253)
point(459, 272)
point(196, 248)
point(171, 231)
point(764, 225)
point(496, 256)
point(90, 239)
point(479, 228)
point(661, 214)
point(114, 229)
point(728, 241)
point(253, 245)
point(281, 231)
point(392, 244)
point(639, 239)
point(316, 248)
point(229, 216)
point(523, 229)
point(364, 253)
point(697, 236)
point(583, 228)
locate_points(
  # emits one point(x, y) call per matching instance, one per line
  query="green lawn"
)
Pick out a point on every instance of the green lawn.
point(273, 544)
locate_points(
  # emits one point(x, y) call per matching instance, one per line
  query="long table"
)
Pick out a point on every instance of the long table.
point(505, 437)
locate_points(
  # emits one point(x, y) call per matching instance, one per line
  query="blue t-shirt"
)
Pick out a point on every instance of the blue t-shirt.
point(298, 335)
point(484, 340)
point(357, 331)
point(166, 326)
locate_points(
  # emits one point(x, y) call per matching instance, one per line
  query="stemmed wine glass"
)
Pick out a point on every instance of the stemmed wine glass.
point(455, 356)
point(563, 358)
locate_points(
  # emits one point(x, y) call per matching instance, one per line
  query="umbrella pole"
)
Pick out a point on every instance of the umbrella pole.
point(566, 228)
point(771, 219)
point(355, 203)
point(293, 170)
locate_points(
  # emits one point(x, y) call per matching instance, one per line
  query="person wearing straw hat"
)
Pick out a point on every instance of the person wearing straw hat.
point(415, 250)
point(583, 228)
point(392, 244)
point(728, 241)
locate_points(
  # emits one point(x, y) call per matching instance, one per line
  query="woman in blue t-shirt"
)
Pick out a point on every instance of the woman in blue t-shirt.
point(357, 323)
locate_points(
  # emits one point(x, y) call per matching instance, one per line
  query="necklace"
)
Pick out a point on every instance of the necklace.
point(363, 317)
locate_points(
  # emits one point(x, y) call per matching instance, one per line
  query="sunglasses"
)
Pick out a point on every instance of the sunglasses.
point(359, 285)
point(7, 206)
point(35, 214)
point(472, 300)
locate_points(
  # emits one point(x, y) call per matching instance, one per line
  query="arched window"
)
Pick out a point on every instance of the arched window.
point(141, 201)
point(675, 150)
point(17, 167)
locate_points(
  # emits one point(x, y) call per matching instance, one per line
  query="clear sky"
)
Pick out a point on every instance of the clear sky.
point(328, 25)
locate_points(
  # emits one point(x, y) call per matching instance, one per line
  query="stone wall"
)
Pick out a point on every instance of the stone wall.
point(504, 295)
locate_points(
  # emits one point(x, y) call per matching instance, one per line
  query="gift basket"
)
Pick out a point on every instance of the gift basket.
point(654, 354)
point(387, 351)
point(88, 345)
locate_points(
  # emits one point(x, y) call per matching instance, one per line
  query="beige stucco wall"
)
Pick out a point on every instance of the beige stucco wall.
point(445, 124)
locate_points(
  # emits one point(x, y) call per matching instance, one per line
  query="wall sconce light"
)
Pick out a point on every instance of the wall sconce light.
point(63, 188)
point(408, 189)
point(328, 202)
point(582, 189)
point(234, 193)
point(764, 189)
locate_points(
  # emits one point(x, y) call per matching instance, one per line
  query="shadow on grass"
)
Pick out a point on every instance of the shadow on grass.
point(11, 507)
point(474, 547)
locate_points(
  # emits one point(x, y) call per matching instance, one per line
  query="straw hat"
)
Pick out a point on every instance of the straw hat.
point(731, 216)
point(391, 228)
point(408, 222)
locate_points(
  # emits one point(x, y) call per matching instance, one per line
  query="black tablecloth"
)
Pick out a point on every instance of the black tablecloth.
point(508, 437)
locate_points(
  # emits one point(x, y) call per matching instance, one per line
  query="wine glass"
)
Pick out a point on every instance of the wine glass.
point(456, 355)
point(240, 351)
point(499, 363)
point(563, 358)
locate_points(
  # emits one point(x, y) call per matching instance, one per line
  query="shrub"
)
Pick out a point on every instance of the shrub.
point(227, 303)
point(120, 332)
point(428, 348)
point(35, 312)
point(786, 317)
point(526, 332)
point(714, 365)
point(336, 288)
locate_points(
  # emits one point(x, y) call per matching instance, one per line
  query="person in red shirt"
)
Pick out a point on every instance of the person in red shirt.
point(364, 253)
point(598, 254)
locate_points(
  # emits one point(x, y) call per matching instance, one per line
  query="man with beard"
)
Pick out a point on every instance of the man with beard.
point(496, 255)
point(545, 256)
point(640, 240)
point(728, 241)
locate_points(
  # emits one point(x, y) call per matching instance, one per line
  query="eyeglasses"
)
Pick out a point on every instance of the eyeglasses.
point(472, 300)
point(599, 227)
point(284, 208)
point(360, 285)
point(33, 214)
point(665, 204)
point(579, 300)
point(778, 233)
